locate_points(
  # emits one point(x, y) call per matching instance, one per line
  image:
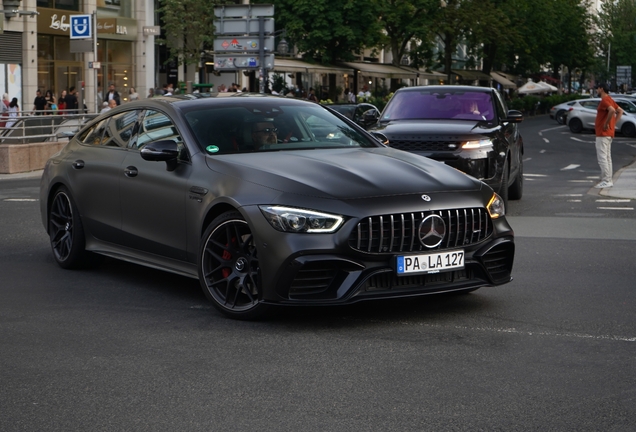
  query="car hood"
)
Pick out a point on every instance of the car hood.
point(344, 173)
point(405, 128)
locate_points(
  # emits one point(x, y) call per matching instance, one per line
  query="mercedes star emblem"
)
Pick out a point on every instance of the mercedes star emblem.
point(432, 231)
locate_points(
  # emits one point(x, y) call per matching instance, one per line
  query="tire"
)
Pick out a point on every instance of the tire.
point(628, 129)
point(561, 116)
point(229, 271)
point(66, 232)
point(515, 191)
point(503, 187)
point(576, 126)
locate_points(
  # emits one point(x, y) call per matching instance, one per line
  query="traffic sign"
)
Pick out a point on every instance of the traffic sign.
point(81, 27)
point(249, 10)
point(242, 26)
point(241, 61)
point(242, 44)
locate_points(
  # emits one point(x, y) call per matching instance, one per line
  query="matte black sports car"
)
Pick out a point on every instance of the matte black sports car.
point(270, 201)
point(468, 128)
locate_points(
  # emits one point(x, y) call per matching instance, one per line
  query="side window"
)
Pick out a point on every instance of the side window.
point(120, 129)
point(590, 104)
point(94, 135)
point(157, 126)
point(502, 111)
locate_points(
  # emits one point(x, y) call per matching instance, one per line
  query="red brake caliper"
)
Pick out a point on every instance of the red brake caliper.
point(227, 256)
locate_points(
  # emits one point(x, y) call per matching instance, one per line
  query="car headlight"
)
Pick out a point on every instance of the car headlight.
point(496, 206)
point(472, 145)
point(288, 219)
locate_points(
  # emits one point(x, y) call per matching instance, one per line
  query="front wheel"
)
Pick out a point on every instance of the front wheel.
point(229, 269)
point(503, 188)
point(66, 232)
point(515, 191)
point(561, 116)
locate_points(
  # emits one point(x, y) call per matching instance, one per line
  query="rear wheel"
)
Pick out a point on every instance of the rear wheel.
point(628, 129)
point(66, 232)
point(229, 269)
point(561, 116)
point(576, 125)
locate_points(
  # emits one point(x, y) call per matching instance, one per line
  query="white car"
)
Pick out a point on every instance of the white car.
point(559, 112)
point(582, 115)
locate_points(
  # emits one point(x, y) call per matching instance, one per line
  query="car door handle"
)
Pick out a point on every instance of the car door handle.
point(131, 171)
point(78, 164)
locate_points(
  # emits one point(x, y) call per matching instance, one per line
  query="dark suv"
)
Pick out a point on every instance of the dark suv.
point(468, 128)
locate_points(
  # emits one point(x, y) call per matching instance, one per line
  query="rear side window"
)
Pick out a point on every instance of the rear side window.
point(120, 129)
point(94, 134)
point(590, 104)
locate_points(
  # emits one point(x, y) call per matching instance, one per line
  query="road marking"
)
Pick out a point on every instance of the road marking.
point(542, 151)
point(615, 208)
point(534, 175)
point(527, 159)
point(546, 140)
point(20, 199)
point(613, 200)
point(569, 195)
point(578, 139)
point(551, 129)
point(581, 181)
point(574, 201)
point(570, 167)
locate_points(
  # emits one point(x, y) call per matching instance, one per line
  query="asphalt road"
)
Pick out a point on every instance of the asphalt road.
point(125, 348)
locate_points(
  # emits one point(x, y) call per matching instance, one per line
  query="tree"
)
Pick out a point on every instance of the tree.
point(616, 37)
point(328, 30)
point(407, 25)
point(189, 27)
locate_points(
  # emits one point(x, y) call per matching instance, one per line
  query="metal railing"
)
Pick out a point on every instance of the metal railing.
point(41, 126)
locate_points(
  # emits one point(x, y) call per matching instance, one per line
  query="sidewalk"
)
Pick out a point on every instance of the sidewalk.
point(624, 184)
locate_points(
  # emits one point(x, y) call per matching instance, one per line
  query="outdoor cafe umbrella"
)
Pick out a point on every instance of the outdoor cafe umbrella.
point(536, 87)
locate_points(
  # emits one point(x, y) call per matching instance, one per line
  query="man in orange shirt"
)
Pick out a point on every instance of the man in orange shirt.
point(607, 114)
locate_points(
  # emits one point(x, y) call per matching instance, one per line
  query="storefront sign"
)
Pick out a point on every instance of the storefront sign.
point(58, 22)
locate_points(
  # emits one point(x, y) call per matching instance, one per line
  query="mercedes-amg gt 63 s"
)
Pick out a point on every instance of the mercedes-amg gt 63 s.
point(270, 201)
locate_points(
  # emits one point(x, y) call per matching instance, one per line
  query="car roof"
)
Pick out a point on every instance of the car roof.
point(447, 88)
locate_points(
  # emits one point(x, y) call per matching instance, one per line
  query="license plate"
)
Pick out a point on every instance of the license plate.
point(430, 263)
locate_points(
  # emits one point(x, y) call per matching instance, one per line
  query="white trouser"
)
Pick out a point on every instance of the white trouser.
point(604, 155)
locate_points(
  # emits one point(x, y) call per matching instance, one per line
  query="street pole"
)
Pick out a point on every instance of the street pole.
point(96, 86)
point(261, 54)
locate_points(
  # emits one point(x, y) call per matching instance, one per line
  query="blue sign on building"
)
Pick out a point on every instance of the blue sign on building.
point(80, 27)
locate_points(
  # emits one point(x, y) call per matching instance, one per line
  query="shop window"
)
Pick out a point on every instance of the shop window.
point(72, 5)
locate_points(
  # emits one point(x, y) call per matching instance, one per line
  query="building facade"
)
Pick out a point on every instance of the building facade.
point(36, 51)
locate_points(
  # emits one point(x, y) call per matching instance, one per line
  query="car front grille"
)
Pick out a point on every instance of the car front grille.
point(424, 146)
point(400, 232)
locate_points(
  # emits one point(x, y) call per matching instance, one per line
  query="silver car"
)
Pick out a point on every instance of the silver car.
point(582, 115)
point(560, 112)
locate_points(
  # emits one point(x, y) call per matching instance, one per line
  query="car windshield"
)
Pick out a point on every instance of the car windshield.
point(237, 128)
point(440, 105)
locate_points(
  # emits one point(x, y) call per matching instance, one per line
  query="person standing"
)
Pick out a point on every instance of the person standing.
point(39, 103)
point(14, 108)
point(607, 114)
point(4, 107)
point(132, 94)
point(112, 94)
point(61, 102)
point(51, 104)
point(71, 101)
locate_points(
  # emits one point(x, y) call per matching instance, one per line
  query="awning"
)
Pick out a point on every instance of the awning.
point(292, 65)
point(432, 75)
point(513, 78)
point(380, 70)
point(505, 82)
point(471, 75)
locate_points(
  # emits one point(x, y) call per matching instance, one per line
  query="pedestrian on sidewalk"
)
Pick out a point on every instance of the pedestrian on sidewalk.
point(607, 114)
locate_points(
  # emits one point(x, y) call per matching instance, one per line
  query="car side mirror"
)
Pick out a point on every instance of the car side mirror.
point(162, 151)
point(370, 117)
point(514, 116)
point(380, 137)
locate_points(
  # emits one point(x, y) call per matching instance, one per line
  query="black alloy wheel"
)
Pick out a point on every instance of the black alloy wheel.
point(503, 188)
point(228, 267)
point(66, 232)
point(576, 125)
point(515, 191)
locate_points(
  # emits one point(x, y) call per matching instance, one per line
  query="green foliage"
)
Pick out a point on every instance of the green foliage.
point(616, 36)
point(189, 27)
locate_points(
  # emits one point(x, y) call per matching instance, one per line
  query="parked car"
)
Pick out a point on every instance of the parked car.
point(560, 112)
point(364, 114)
point(265, 204)
point(582, 115)
point(469, 128)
